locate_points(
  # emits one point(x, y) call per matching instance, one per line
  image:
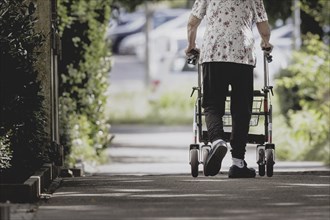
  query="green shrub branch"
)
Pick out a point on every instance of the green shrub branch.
point(84, 73)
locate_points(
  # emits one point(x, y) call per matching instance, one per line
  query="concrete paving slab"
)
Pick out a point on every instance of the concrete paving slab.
point(178, 197)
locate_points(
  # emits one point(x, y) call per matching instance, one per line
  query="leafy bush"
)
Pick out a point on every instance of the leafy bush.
point(5, 153)
point(309, 78)
point(22, 116)
point(289, 101)
point(84, 70)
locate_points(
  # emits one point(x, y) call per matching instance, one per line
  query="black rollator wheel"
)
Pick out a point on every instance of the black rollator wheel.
point(262, 170)
point(270, 162)
point(261, 160)
point(194, 162)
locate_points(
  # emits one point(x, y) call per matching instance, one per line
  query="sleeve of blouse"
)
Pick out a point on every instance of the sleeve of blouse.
point(260, 12)
point(199, 8)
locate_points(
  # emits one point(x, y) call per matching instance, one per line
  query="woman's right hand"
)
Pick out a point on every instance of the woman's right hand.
point(189, 50)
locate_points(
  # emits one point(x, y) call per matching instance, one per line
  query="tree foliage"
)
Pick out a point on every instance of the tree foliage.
point(307, 82)
point(278, 9)
point(314, 13)
point(310, 75)
point(319, 10)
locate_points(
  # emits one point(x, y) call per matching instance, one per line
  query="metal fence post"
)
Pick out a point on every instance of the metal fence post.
point(4, 212)
point(55, 55)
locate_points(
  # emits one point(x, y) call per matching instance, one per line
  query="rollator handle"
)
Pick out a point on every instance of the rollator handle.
point(192, 59)
point(269, 58)
point(268, 88)
point(267, 51)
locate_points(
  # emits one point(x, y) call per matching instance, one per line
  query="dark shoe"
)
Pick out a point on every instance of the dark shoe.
point(245, 172)
point(213, 162)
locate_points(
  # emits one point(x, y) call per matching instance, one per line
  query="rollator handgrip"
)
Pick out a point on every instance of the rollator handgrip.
point(267, 51)
point(193, 57)
point(269, 58)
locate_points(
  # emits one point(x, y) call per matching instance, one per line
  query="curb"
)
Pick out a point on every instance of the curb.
point(71, 172)
point(32, 188)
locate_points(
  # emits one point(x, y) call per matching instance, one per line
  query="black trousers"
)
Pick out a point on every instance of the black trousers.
point(217, 76)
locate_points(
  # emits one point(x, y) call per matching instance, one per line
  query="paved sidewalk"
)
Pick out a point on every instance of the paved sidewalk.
point(22, 211)
point(148, 177)
point(296, 196)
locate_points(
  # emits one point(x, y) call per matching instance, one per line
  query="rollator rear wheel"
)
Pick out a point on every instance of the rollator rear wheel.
point(270, 162)
point(194, 162)
point(261, 162)
point(262, 170)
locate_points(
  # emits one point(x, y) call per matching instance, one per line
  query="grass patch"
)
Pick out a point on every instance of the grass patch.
point(166, 107)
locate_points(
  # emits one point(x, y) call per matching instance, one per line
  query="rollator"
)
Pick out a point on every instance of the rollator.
point(262, 107)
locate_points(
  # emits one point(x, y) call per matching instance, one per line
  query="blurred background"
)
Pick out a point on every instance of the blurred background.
point(160, 64)
point(150, 82)
point(124, 85)
point(121, 87)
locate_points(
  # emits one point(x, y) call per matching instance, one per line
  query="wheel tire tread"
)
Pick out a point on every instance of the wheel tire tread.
point(194, 162)
point(270, 163)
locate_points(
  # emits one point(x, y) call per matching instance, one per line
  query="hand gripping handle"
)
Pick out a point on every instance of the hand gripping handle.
point(193, 57)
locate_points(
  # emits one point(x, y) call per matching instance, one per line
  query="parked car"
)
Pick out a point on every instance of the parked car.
point(131, 23)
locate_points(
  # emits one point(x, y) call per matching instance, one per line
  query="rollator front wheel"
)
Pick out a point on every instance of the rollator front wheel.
point(194, 162)
point(270, 162)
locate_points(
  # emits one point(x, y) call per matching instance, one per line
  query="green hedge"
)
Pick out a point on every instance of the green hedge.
point(307, 82)
point(84, 71)
point(22, 133)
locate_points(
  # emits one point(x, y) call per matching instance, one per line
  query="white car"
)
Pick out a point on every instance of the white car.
point(136, 27)
point(135, 44)
point(168, 41)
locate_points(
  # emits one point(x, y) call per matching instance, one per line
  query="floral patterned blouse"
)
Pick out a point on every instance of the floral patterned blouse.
point(228, 36)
